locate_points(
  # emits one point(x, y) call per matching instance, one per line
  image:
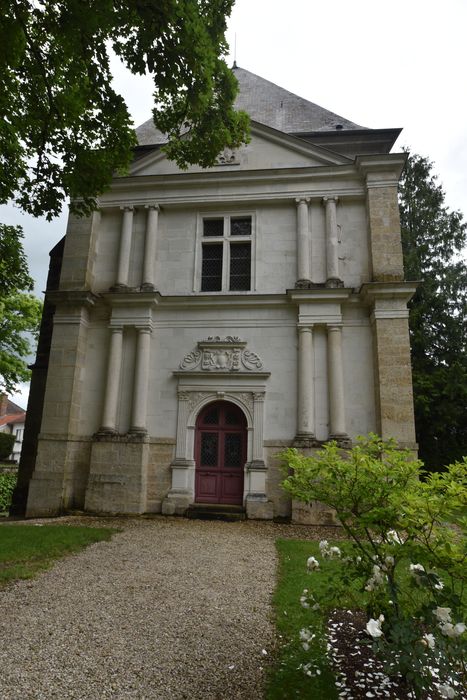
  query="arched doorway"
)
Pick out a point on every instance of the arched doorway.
point(220, 454)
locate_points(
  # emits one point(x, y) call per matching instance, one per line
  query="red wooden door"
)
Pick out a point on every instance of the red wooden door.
point(220, 454)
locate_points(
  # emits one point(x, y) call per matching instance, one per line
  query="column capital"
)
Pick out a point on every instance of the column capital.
point(127, 207)
point(329, 200)
point(116, 329)
point(153, 205)
point(305, 329)
point(302, 200)
point(258, 396)
point(333, 327)
point(144, 329)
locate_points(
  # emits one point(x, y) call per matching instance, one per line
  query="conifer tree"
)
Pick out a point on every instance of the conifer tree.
point(434, 240)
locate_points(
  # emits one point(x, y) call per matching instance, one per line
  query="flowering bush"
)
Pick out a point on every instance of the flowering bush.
point(408, 561)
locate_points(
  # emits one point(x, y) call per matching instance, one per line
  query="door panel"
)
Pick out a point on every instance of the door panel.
point(220, 454)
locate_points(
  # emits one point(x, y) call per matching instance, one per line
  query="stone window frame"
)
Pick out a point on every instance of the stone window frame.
point(226, 239)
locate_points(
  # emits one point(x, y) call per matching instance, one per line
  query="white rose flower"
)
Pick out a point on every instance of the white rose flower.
point(446, 691)
point(443, 614)
point(447, 628)
point(429, 640)
point(459, 628)
point(393, 536)
point(312, 563)
point(373, 627)
point(416, 567)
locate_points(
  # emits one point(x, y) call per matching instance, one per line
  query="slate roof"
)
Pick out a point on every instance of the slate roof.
point(271, 105)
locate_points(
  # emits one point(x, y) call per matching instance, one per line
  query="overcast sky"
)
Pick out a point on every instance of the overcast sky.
point(379, 64)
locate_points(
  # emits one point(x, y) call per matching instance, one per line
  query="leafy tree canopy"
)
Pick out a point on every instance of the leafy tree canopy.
point(434, 240)
point(20, 312)
point(64, 131)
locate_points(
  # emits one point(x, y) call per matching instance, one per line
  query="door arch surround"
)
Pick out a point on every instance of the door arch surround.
point(221, 437)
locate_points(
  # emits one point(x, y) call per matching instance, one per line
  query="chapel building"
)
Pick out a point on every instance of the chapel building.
point(203, 320)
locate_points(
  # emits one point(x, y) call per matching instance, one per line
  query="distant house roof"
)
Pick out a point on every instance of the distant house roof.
point(12, 419)
point(13, 407)
point(270, 105)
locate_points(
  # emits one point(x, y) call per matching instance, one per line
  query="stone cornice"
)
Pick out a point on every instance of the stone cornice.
point(375, 291)
point(218, 373)
point(132, 297)
point(321, 294)
point(381, 170)
point(280, 184)
point(71, 297)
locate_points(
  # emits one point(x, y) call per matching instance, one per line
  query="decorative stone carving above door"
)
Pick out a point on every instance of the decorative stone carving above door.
point(215, 354)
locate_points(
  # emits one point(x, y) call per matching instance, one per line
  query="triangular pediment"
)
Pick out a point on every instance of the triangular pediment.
point(268, 149)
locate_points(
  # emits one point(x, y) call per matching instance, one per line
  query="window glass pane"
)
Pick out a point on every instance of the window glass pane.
point(211, 273)
point(232, 417)
point(240, 266)
point(213, 227)
point(209, 442)
point(240, 226)
point(233, 450)
point(211, 417)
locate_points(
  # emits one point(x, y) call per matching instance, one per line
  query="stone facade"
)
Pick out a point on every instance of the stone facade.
point(312, 344)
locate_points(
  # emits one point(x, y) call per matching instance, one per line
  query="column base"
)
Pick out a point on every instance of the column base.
point(119, 288)
point(258, 507)
point(304, 284)
point(147, 287)
point(342, 439)
point(334, 283)
point(137, 432)
point(306, 440)
point(105, 433)
point(177, 502)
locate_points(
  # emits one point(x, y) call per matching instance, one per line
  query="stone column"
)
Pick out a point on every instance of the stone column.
point(305, 408)
point(257, 504)
point(182, 492)
point(303, 244)
point(332, 243)
point(125, 247)
point(182, 422)
point(109, 417)
point(336, 384)
point(258, 411)
point(141, 381)
point(150, 247)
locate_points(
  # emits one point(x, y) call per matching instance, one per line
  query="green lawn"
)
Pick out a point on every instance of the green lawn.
point(27, 549)
point(286, 680)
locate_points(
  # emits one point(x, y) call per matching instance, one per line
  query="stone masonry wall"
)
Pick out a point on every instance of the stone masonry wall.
point(385, 234)
point(394, 380)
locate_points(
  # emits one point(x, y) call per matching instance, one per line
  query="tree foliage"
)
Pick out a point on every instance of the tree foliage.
point(433, 239)
point(20, 312)
point(64, 131)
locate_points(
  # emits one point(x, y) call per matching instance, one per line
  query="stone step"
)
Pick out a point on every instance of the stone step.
point(215, 511)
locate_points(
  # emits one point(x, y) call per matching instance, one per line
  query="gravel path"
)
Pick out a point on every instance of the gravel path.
point(170, 608)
